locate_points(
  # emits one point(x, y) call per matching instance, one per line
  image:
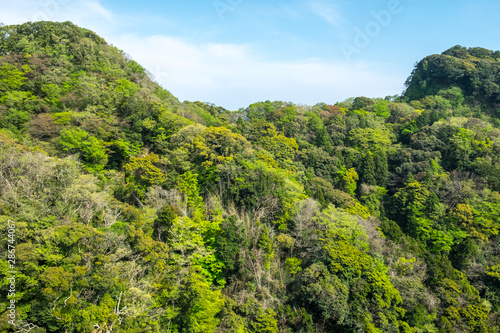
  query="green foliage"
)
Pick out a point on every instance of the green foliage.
point(293, 265)
point(162, 227)
point(281, 147)
point(266, 244)
point(189, 186)
point(456, 71)
point(349, 178)
point(137, 213)
point(89, 148)
point(265, 322)
point(381, 108)
point(228, 243)
point(326, 293)
point(218, 145)
point(16, 110)
point(199, 306)
point(361, 103)
point(416, 209)
point(11, 78)
point(141, 173)
point(370, 278)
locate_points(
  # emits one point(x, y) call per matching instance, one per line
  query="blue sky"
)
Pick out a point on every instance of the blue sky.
point(236, 52)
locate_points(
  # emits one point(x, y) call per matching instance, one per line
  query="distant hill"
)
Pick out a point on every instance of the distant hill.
point(476, 71)
point(69, 76)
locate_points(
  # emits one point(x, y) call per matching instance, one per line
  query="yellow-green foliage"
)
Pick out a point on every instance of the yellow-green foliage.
point(141, 172)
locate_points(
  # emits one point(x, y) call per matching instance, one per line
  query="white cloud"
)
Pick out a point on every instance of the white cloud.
point(232, 76)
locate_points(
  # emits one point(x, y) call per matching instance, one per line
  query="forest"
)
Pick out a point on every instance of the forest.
point(135, 212)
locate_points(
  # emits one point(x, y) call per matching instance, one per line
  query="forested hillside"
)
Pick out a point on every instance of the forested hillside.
point(135, 212)
point(476, 71)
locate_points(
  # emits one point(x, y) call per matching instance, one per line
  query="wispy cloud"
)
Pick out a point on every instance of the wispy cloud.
point(97, 8)
point(327, 11)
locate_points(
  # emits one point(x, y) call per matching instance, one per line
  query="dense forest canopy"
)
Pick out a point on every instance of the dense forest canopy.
point(475, 71)
point(135, 212)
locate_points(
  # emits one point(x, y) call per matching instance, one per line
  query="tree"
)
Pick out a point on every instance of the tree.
point(348, 179)
point(326, 293)
point(381, 109)
point(11, 78)
point(265, 322)
point(417, 211)
point(141, 173)
point(361, 103)
point(162, 227)
point(368, 171)
point(199, 305)
point(229, 243)
point(217, 145)
point(89, 148)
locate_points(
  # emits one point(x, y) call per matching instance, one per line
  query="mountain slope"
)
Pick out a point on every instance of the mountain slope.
point(135, 212)
point(476, 71)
